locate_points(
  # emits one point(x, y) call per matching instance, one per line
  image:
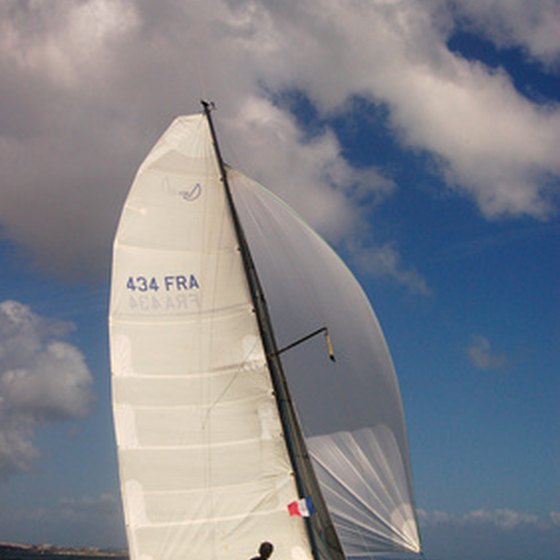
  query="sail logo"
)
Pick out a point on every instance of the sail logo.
point(192, 194)
point(173, 186)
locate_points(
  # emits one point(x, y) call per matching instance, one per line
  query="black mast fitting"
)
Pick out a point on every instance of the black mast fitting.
point(307, 337)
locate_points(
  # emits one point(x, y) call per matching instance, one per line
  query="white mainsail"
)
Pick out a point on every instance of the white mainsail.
point(205, 468)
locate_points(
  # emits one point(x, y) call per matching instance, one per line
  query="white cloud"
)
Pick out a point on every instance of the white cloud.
point(436, 517)
point(534, 26)
point(384, 260)
point(491, 142)
point(502, 518)
point(320, 183)
point(489, 533)
point(88, 86)
point(59, 42)
point(43, 379)
point(482, 356)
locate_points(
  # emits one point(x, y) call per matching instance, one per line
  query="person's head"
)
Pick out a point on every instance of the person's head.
point(265, 550)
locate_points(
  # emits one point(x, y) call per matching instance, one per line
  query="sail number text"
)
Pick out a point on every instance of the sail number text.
point(169, 283)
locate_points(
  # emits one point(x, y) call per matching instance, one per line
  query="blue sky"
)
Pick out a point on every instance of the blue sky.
point(421, 139)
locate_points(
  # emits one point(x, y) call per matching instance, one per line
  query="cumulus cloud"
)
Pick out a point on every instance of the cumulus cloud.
point(88, 86)
point(482, 356)
point(533, 26)
point(325, 189)
point(43, 379)
point(491, 142)
point(320, 183)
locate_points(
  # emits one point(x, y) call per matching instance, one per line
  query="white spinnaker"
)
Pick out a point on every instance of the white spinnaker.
point(204, 470)
point(351, 411)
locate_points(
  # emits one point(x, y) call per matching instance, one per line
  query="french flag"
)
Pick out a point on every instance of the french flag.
point(303, 507)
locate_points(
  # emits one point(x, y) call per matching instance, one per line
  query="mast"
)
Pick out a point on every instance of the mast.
point(319, 526)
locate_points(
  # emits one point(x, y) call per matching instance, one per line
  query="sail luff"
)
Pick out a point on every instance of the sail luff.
point(305, 478)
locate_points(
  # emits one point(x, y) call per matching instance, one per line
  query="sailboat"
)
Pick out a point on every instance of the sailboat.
point(254, 397)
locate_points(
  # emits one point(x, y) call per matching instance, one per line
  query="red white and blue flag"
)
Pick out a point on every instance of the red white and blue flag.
point(303, 507)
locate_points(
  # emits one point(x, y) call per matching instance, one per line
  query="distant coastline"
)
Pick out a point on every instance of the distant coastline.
point(14, 551)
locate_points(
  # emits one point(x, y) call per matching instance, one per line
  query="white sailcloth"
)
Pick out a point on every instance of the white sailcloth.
point(351, 411)
point(204, 469)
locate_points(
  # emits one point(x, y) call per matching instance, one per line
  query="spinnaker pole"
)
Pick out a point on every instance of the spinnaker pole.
point(322, 535)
